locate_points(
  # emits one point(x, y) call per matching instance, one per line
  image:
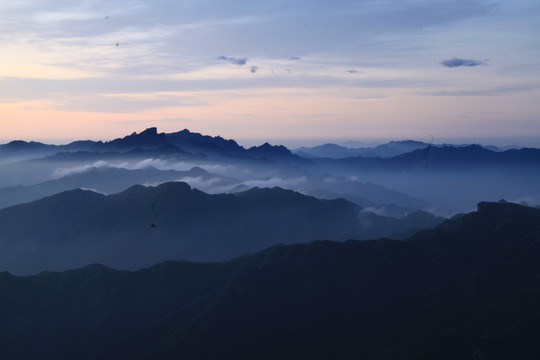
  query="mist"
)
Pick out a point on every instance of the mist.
point(200, 198)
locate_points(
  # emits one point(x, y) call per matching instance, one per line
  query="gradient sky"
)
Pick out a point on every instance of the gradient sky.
point(272, 69)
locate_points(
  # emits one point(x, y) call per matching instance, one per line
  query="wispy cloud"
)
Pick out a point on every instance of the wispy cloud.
point(233, 60)
point(61, 172)
point(211, 185)
point(276, 181)
point(457, 62)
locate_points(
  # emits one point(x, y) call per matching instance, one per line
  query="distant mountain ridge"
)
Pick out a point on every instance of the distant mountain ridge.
point(437, 178)
point(446, 157)
point(397, 155)
point(150, 139)
point(144, 225)
point(388, 150)
point(334, 151)
point(192, 142)
point(393, 156)
point(104, 179)
point(465, 290)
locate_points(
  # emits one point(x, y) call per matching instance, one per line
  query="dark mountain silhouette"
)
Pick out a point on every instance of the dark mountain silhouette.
point(333, 151)
point(147, 139)
point(163, 151)
point(437, 178)
point(198, 144)
point(81, 145)
point(443, 158)
point(107, 180)
point(451, 179)
point(24, 146)
point(183, 141)
point(31, 180)
point(19, 150)
point(467, 290)
point(398, 228)
point(144, 225)
point(388, 150)
point(328, 150)
point(267, 150)
point(397, 155)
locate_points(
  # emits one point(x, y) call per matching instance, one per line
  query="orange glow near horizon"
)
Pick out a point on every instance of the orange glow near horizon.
point(263, 113)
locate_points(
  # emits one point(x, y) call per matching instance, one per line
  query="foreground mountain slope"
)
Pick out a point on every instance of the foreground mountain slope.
point(145, 225)
point(466, 290)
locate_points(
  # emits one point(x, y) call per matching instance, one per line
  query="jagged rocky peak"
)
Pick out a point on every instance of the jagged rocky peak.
point(151, 131)
point(148, 138)
point(268, 149)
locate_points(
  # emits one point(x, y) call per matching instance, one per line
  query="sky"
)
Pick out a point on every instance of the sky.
point(289, 70)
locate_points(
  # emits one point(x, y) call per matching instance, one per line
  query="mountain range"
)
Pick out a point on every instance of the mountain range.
point(467, 289)
point(405, 176)
point(185, 141)
point(334, 151)
point(145, 225)
point(446, 158)
point(390, 149)
point(187, 246)
point(108, 180)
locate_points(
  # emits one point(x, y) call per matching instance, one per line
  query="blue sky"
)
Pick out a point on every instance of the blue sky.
point(271, 70)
